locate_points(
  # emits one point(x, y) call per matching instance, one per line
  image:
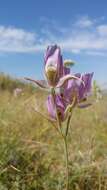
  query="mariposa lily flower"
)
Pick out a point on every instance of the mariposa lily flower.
point(74, 93)
point(77, 89)
point(54, 69)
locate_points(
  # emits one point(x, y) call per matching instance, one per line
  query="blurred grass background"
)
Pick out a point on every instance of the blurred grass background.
point(31, 151)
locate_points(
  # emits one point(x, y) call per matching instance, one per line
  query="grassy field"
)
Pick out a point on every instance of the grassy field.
point(31, 151)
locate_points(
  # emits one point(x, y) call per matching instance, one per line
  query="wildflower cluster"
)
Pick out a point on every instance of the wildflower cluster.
point(66, 90)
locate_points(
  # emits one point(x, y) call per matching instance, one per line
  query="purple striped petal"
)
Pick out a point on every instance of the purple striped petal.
point(50, 50)
point(53, 65)
point(58, 104)
point(87, 78)
point(51, 107)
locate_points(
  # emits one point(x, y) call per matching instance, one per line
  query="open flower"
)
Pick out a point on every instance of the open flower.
point(77, 88)
point(72, 93)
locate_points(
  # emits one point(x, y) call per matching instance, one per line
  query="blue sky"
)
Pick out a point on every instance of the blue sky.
point(28, 26)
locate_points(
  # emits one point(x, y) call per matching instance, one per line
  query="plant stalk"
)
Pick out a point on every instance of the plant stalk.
point(64, 136)
point(67, 164)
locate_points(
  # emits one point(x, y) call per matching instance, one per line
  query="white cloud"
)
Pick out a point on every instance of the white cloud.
point(86, 37)
point(82, 36)
point(84, 22)
point(85, 41)
point(102, 29)
point(16, 40)
point(94, 53)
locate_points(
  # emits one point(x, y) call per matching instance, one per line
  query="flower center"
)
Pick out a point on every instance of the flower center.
point(51, 70)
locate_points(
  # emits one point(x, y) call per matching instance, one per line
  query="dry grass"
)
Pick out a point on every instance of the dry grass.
point(31, 151)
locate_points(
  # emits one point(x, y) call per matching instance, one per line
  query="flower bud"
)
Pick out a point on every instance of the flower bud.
point(69, 63)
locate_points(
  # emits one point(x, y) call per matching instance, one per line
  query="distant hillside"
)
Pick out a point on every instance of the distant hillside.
point(9, 83)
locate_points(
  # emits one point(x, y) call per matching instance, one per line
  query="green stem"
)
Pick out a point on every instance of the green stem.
point(68, 124)
point(66, 150)
point(70, 115)
point(67, 164)
point(57, 116)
